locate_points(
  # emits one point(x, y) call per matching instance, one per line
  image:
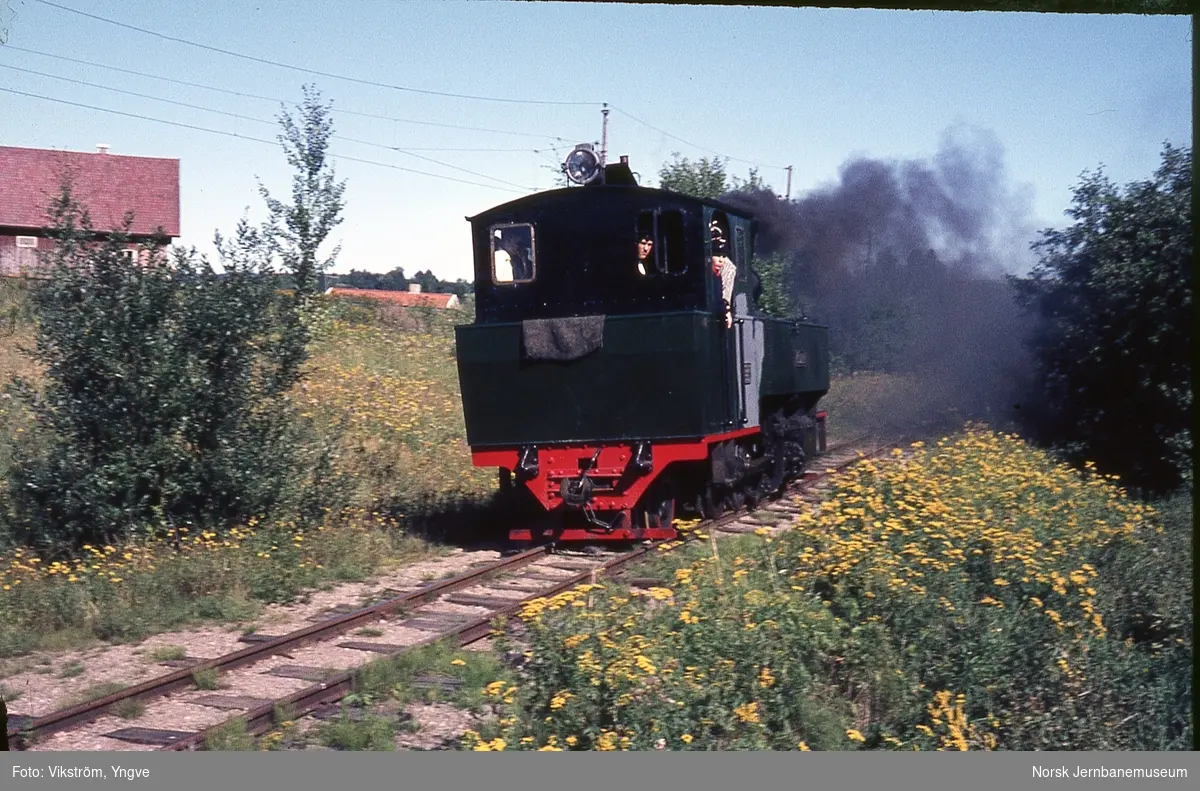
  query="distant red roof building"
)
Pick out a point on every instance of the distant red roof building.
point(407, 299)
point(108, 186)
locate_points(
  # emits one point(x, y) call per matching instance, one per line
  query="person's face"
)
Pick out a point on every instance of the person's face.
point(717, 265)
point(645, 246)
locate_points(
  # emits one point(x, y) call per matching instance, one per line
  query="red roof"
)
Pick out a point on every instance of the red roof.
point(404, 298)
point(108, 185)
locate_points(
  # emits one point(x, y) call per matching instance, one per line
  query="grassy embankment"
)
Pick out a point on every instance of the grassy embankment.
point(390, 378)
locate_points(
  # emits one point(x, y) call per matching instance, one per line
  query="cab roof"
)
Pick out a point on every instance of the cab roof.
point(567, 195)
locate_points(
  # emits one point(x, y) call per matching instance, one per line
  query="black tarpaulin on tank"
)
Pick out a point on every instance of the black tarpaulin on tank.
point(562, 339)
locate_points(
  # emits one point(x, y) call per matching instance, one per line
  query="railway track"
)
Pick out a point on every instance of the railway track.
point(410, 619)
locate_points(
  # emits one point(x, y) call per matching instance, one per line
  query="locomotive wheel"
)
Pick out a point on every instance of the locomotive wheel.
point(658, 507)
point(736, 499)
point(708, 503)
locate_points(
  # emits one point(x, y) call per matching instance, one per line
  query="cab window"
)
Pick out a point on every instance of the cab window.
point(512, 254)
point(660, 243)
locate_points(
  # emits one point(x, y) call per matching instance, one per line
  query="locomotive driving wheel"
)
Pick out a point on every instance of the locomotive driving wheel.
point(709, 503)
point(657, 508)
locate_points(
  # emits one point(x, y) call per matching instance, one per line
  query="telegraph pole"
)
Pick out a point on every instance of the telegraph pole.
point(604, 137)
point(789, 186)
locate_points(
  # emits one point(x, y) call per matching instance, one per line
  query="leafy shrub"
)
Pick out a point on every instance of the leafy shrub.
point(166, 402)
point(1112, 300)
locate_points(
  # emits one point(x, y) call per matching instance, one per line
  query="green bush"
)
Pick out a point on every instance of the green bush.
point(166, 397)
point(1111, 300)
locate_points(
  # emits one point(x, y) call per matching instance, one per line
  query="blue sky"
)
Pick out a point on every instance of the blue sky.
point(775, 86)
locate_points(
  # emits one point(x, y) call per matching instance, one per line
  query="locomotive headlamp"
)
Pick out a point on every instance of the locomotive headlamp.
point(582, 165)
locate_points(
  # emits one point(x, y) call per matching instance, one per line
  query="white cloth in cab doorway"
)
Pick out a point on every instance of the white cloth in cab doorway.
point(503, 267)
point(728, 276)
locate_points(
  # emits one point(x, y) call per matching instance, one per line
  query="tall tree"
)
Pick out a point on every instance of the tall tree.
point(300, 228)
point(704, 178)
point(1112, 297)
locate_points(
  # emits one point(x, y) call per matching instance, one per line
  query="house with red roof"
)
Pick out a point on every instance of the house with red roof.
point(107, 185)
point(413, 298)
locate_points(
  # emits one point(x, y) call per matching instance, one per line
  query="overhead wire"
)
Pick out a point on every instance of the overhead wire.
point(250, 138)
point(693, 145)
point(360, 81)
point(398, 149)
point(306, 70)
point(276, 99)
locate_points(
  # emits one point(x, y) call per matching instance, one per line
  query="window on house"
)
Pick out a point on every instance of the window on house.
point(30, 242)
point(129, 255)
point(512, 254)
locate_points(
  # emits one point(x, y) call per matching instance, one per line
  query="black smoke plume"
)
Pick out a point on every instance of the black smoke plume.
point(904, 261)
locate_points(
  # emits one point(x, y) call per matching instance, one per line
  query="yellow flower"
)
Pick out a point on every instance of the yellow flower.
point(686, 738)
point(457, 662)
point(645, 664)
point(803, 747)
point(747, 712)
point(854, 735)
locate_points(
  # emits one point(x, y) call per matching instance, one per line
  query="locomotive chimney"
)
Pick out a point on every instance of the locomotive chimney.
point(414, 288)
point(625, 160)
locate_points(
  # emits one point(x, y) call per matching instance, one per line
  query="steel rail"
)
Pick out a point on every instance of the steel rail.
point(162, 685)
point(339, 685)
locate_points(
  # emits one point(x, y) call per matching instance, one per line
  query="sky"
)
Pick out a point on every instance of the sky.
point(1058, 94)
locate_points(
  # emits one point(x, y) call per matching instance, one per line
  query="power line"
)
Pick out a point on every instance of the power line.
point(260, 121)
point(392, 86)
point(312, 71)
point(135, 93)
point(681, 140)
point(277, 100)
point(252, 139)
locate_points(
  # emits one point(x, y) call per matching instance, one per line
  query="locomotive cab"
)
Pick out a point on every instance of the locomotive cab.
point(618, 366)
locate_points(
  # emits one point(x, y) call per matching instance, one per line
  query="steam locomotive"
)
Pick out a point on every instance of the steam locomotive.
point(619, 368)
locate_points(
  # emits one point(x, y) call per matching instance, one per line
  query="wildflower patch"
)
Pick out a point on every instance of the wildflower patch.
point(954, 599)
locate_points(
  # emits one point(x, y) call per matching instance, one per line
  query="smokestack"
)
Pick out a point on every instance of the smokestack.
point(624, 160)
point(414, 288)
point(102, 148)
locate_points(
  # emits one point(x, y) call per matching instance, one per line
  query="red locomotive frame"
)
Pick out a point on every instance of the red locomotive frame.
point(616, 485)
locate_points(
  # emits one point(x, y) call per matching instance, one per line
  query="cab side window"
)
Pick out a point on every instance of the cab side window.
point(670, 230)
point(660, 243)
point(512, 253)
point(647, 243)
